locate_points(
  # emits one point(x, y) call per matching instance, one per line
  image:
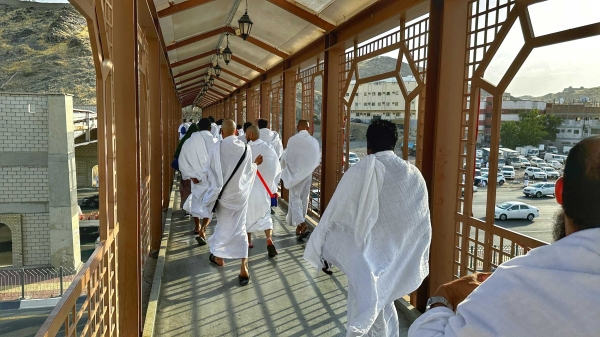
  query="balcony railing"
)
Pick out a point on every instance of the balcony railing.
point(96, 286)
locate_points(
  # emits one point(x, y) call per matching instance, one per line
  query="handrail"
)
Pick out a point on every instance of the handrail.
point(60, 315)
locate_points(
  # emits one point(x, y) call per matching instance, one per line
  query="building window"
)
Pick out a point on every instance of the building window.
point(379, 94)
point(373, 104)
point(364, 104)
point(365, 94)
point(388, 93)
point(347, 94)
point(356, 95)
point(576, 132)
point(569, 130)
point(387, 114)
point(373, 94)
point(368, 115)
point(355, 104)
point(387, 103)
point(379, 104)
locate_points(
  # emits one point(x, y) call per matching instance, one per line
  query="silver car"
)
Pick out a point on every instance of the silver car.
point(539, 190)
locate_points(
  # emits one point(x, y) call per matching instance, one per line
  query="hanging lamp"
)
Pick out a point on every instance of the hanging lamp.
point(227, 52)
point(245, 24)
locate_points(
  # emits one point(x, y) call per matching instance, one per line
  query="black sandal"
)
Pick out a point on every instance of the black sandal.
point(327, 268)
point(244, 280)
point(272, 251)
point(201, 241)
point(213, 259)
point(304, 235)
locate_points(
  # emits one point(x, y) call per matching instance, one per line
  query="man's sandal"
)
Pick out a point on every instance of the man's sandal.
point(201, 241)
point(244, 280)
point(304, 235)
point(272, 251)
point(213, 259)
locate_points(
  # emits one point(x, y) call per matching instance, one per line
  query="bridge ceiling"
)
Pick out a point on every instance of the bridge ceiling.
point(194, 29)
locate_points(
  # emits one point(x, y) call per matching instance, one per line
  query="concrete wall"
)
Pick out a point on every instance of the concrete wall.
point(38, 188)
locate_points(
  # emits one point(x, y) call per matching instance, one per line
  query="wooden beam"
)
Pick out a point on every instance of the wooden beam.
point(303, 14)
point(227, 82)
point(246, 64)
point(267, 47)
point(189, 90)
point(190, 85)
point(234, 74)
point(198, 38)
point(191, 79)
point(193, 70)
point(180, 7)
point(220, 87)
point(193, 58)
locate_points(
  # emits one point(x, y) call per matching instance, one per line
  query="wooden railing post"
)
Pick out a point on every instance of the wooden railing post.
point(128, 165)
point(156, 183)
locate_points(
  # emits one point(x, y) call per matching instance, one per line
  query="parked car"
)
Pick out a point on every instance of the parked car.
point(551, 173)
point(542, 165)
point(474, 190)
point(515, 210)
point(355, 120)
point(91, 202)
point(508, 172)
point(353, 159)
point(556, 164)
point(482, 180)
point(478, 153)
point(535, 173)
point(535, 161)
point(352, 137)
point(484, 170)
point(478, 163)
point(524, 162)
point(539, 190)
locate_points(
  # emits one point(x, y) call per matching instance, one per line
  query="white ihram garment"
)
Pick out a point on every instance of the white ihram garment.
point(258, 217)
point(193, 162)
point(215, 130)
point(229, 240)
point(272, 137)
point(179, 130)
point(299, 160)
point(551, 291)
point(377, 230)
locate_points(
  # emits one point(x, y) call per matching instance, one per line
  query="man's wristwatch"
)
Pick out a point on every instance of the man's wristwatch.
point(438, 299)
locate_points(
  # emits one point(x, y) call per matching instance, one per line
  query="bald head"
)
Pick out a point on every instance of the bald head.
point(252, 133)
point(228, 128)
point(303, 124)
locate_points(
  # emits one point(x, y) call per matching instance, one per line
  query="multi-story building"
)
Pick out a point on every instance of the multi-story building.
point(580, 122)
point(382, 99)
point(510, 112)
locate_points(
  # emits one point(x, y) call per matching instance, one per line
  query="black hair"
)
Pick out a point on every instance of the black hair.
point(263, 123)
point(211, 118)
point(239, 127)
point(382, 135)
point(220, 122)
point(581, 191)
point(247, 125)
point(204, 124)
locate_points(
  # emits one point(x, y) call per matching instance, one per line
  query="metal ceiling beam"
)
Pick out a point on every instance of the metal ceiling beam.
point(180, 7)
point(303, 14)
point(190, 85)
point(192, 70)
point(193, 58)
point(198, 38)
point(247, 64)
point(227, 82)
point(229, 72)
point(191, 78)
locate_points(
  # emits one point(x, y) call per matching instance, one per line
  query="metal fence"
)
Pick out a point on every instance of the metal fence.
point(34, 282)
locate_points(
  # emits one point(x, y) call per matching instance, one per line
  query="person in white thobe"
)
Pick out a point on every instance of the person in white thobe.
point(229, 240)
point(299, 160)
point(270, 137)
point(193, 161)
point(214, 128)
point(377, 230)
point(258, 217)
point(554, 290)
point(245, 127)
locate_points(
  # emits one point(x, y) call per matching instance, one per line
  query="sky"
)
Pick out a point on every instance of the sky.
point(548, 69)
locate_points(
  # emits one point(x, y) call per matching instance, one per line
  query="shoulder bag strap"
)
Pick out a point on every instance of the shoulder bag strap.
point(234, 170)
point(264, 183)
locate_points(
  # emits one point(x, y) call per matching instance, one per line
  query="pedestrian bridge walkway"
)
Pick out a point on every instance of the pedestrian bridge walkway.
point(285, 297)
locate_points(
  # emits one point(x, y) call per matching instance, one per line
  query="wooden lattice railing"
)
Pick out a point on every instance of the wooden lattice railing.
point(96, 286)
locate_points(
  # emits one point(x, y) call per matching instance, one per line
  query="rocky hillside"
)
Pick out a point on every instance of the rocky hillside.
point(381, 64)
point(569, 95)
point(45, 48)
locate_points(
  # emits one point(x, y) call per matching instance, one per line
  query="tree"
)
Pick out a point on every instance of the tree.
point(531, 129)
point(552, 124)
point(509, 134)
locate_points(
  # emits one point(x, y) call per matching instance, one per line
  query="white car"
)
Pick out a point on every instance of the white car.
point(508, 172)
point(515, 210)
point(485, 170)
point(353, 159)
point(551, 172)
point(535, 173)
point(555, 163)
point(524, 162)
point(536, 161)
point(478, 153)
point(482, 180)
point(474, 190)
point(539, 190)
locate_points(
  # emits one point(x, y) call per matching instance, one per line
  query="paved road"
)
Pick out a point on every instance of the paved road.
point(540, 228)
point(22, 322)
